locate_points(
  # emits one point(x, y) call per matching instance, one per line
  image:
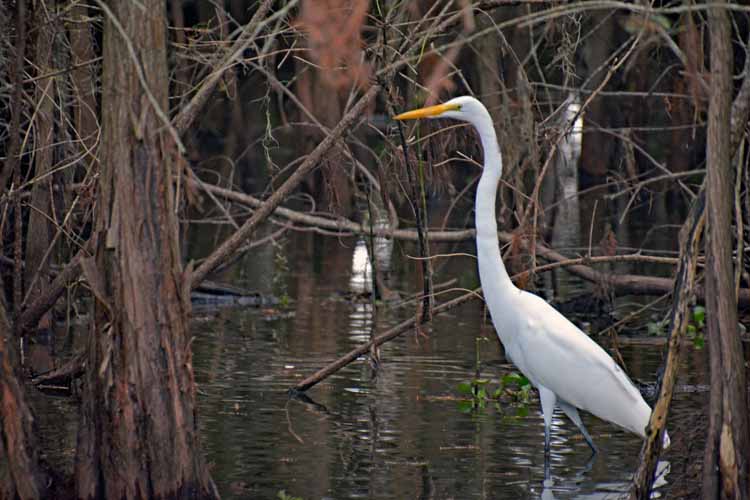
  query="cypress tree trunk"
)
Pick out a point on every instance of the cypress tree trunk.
point(138, 436)
point(725, 467)
point(21, 475)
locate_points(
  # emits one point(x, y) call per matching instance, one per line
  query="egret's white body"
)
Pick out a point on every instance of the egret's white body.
point(563, 363)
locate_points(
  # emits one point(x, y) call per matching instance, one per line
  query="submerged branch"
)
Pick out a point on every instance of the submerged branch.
point(391, 334)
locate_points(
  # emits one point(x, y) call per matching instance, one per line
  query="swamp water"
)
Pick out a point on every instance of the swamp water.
point(402, 434)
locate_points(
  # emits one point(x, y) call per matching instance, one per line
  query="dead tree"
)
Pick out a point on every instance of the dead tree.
point(725, 466)
point(138, 436)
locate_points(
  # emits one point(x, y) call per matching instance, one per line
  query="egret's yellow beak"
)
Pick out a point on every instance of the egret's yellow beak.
point(427, 112)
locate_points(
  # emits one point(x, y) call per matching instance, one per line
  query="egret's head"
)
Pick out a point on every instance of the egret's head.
point(464, 108)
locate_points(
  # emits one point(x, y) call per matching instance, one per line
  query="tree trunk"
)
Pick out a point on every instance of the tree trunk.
point(138, 436)
point(20, 473)
point(83, 81)
point(597, 146)
point(39, 228)
point(725, 467)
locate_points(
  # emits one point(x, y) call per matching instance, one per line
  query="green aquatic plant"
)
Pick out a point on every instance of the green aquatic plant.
point(282, 495)
point(478, 392)
point(696, 327)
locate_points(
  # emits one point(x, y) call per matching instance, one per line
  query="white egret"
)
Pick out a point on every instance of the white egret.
point(563, 363)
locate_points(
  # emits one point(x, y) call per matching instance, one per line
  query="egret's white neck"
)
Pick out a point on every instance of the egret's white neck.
point(492, 272)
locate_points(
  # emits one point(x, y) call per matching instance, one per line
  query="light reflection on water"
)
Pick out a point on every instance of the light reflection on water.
point(400, 435)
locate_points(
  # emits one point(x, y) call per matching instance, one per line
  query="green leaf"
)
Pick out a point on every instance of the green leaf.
point(699, 342)
point(498, 392)
point(523, 411)
point(465, 406)
point(512, 378)
point(465, 388)
point(699, 314)
point(478, 381)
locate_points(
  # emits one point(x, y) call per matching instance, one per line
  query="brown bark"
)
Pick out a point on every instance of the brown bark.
point(82, 80)
point(20, 473)
point(39, 229)
point(138, 436)
point(725, 466)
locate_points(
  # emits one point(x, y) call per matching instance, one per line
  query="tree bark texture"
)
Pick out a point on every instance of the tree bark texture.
point(138, 436)
point(20, 473)
point(725, 467)
point(83, 81)
point(39, 228)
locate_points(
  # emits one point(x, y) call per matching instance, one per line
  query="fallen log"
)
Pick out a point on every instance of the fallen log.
point(620, 284)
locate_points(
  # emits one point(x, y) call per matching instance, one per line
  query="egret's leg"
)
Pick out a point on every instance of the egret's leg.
point(572, 413)
point(548, 399)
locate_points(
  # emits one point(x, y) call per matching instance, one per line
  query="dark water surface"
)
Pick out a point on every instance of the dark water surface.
point(401, 435)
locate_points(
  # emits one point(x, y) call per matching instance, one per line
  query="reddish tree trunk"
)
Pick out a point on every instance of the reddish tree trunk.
point(138, 436)
point(725, 467)
point(20, 473)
